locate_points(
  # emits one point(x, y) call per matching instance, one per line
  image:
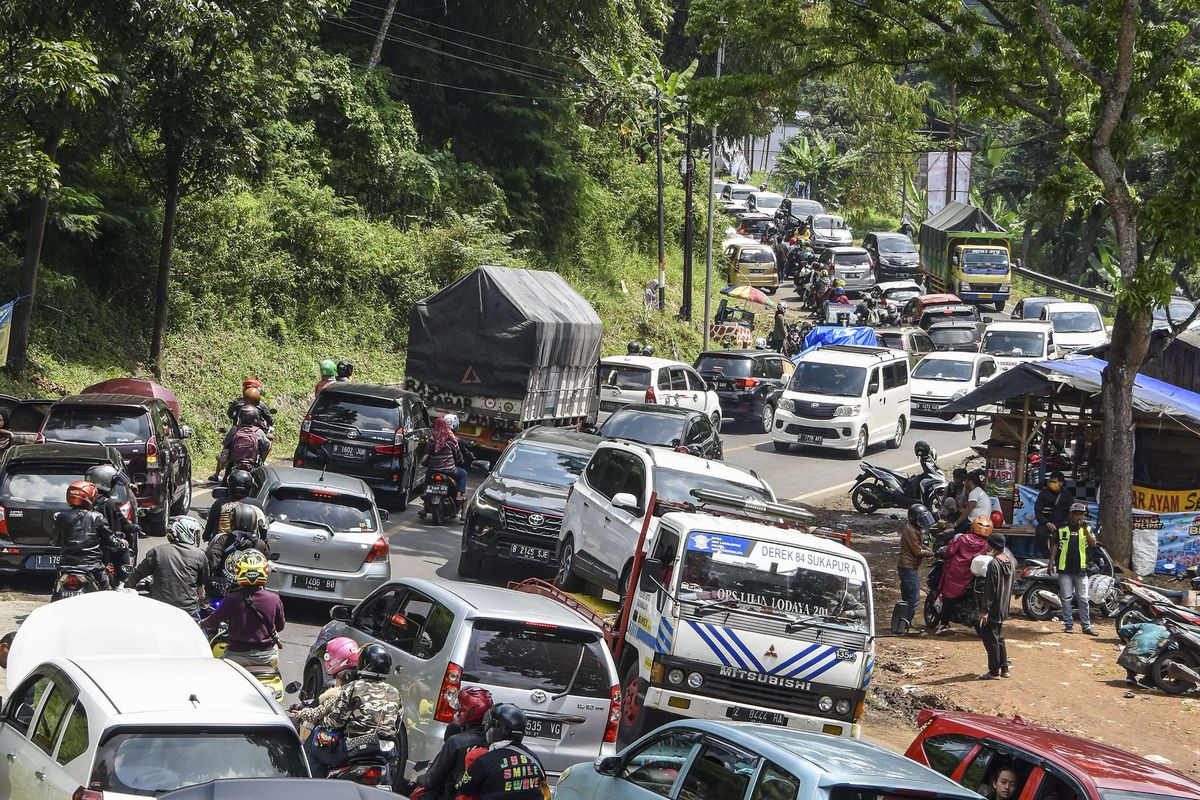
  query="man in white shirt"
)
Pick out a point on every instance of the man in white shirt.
point(978, 503)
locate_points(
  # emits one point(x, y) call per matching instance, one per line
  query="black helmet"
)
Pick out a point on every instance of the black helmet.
point(648, 350)
point(104, 476)
point(374, 662)
point(922, 449)
point(345, 369)
point(240, 484)
point(634, 349)
point(504, 721)
point(244, 517)
point(247, 415)
point(920, 516)
point(870, 301)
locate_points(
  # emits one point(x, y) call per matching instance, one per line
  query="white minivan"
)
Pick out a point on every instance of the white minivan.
point(1076, 325)
point(845, 397)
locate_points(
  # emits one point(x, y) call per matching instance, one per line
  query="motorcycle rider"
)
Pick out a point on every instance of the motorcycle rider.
point(247, 441)
point(254, 616)
point(956, 568)
point(1069, 558)
point(84, 539)
point(1052, 509)
point(247, 532)
point(179, 567)
point(105, 478)
point(328, 375)
point(867, 312)
point(912, 552)
point(339, 662)
point(240, 485)
point(446, 770)
point(508, 769)
point(365, 711)
point(446, 455)
point(634, 349)
point(344, 370)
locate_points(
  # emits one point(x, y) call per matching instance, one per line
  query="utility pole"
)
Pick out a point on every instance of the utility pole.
point(689, 222)
point(662, 225)
point(712, 176)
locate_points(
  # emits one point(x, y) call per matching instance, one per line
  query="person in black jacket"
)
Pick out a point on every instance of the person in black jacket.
point(508, 770)
point(106, 478)
point(438, 782)
point(1052, 510)
point(997, 594)
point(240, 485)
point(84, 539)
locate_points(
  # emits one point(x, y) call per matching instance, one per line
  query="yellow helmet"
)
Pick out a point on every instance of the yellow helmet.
point(839, 282)
point(251, 568)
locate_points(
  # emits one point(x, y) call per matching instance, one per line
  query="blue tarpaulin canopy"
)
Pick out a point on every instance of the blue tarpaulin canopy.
point(837, 334)
point(1150, 396)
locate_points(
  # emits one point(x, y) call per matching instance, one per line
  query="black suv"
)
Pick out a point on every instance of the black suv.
point(33, 488)
point(684, 430)
point(377, 433)
point(149, 438)
point(894, 254)
point(748, 382)
point(517, 511)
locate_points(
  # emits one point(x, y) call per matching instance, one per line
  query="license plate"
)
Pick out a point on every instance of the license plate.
point(348, 451)
point(437, 488)
point(314, 584)
point(739, 714)
point(759, 271)
point(924, 407)
point(47, 563)
point(985, 295)
point(529, 553)
point(608, 405)
point(808, 438)
point(543, 728)
point(851, 275)
point(723, 385)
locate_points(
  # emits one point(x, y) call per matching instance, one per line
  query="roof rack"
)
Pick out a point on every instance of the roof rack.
point(859, 349)
point(789, 517)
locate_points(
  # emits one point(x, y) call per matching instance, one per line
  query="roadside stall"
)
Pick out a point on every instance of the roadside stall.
point(1046, 417)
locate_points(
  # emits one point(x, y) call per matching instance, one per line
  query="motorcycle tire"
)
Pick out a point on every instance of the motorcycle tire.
point(1128, 614)
point(1159, 672)
point(864, 500)
point(929, 613)
point(1035, 607)
point(435, 512)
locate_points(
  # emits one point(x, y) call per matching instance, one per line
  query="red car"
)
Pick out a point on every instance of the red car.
point(972, 749)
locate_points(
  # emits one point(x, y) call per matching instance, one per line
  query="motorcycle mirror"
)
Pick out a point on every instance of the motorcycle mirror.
point(292, 688)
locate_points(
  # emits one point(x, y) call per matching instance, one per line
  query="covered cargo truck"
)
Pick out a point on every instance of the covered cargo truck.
point(505, 349)
point(964, 252)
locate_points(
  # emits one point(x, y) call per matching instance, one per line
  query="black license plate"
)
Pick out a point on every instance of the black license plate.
point(44, 563)
point(314, 584)
point(609, 405)
point(530, 553)
point(808, 438)
point(722, 385)
point(437, 488)
point(739, 714)
point(925, 406)
point(543, 728)
point(348, 451)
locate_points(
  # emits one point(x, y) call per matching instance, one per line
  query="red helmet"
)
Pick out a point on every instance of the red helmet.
point(473, 703)
point(251, 383)
point(81, 494)
point(792, 240)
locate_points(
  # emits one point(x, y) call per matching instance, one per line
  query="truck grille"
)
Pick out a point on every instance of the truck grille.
point(803, 408)
point(519, 520)
point(834, 637)
point(753, 694)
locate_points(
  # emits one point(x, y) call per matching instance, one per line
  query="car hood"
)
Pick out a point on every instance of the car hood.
point(923, 387)
point(525, 494)
point(1070, 341)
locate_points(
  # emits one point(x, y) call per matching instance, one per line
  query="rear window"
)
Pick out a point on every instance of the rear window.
point(674, 486)
point(324, 509)
point(96, 425)
point(526, 656)
point(625, 377)
point(727, 367)
point(952, 336)
point(40, 485)
point(756, 256)
point(851, 259)
point(28, 417)
point(893, 340)
point(365, 413)
point(646, 427)
point(150, 762)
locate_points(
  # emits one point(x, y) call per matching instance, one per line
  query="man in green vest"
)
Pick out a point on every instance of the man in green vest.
point(1068, 557)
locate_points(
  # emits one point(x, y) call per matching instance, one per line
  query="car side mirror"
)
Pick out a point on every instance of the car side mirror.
point(609, 765)
point(873, 387)
point(340, 613)
point(220, 493)
point(481, 466)
point(383, 514)
point(185, 432)
point(648, 579)
point(626, 501)
point(292, 688)
point(988, 319)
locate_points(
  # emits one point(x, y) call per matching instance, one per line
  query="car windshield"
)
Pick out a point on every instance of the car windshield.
point(93, 425)
point(947, 313)
point(536, 657)
point(646, 427)
point(952, 336)
point(544, 465)
point(625, 377)
point(779, 578)
point(756, 255)
point(321, 507)
point(1076, 321)
point(151, 762)
point(898, 245)
point(814, 377)
point(829, 224)
point(900, 295)
point(767, 201)
point(45, 484)
point(938, 369)
point(364, 413)
point(674, 486)
point(851, 259)
point(727, 367)
point(1019, 344)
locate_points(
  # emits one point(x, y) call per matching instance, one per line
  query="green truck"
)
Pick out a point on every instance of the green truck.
point(964, 252)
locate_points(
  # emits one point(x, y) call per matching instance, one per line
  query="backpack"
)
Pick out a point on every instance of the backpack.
point(244, 446)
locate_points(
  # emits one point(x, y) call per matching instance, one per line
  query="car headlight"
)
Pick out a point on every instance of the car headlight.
point(825, 704)
point(675, 677)
point(958, 394)
point(1004, 287)
point(787, 405)
point(846, 411)
point(695, 680)
point(843, 707)
point(485, 504)
point(963, 286)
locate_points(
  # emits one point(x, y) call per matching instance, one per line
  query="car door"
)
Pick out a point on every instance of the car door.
point(877, 409)
point(621, 525)
point(696, 396)
point(31, 719)
point(599, 482)
point(896, 392)
point(719, 770)
point(416, 441)
point(180, 466)
point(72, 753)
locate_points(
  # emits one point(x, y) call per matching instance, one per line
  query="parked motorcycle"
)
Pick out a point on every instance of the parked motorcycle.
point(374, 768)
point(793, 343)
point(1177, 668)
point(1039, 589)
point(1146, 604)
point(879, 487)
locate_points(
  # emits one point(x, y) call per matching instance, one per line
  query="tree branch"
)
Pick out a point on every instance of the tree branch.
point(1163, 64)
point(1030, 107)
point(1065, 46)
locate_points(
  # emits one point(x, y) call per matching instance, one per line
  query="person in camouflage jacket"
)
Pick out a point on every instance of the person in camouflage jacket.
point(364, 711)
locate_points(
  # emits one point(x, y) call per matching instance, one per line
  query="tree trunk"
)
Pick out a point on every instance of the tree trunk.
point(384, 24)
point(18, 350)
point(1093, 224)
point(174, 166)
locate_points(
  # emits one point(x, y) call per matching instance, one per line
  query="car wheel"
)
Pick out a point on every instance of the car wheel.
point(1034, 606)
point(998, 305)
point(184, 505)
point(469, 566)
point(566, 579)
point(771, 289)
point(633, 707)
point(898, 439)
point(781, 447)
point(766, 418)
point(716, 421)
point(314, 680)
point(860, 447)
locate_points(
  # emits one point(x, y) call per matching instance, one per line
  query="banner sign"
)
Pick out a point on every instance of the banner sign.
point(6, 315)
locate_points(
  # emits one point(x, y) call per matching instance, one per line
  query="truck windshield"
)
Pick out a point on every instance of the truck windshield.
point(1076, 321)
point(985, 261)
point(1019, 344)
point(774, 578)
point(813, 377)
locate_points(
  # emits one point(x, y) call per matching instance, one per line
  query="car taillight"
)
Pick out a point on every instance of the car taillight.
point(614, 714)
point(650, 396)
point(41, 439)
point(152, 452)
point(746, 383)
point(3, 521)
point(126, 510)
point(378, 550)
point(396, 448)
point(451, 682)
point(87, 794)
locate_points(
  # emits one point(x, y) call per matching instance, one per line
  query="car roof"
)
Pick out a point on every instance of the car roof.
point(175, 689)
point(754, 215)
point(932, 299)
point(846, 248)
point(749, 186)
point(650, 362)
point(751, 245)
point(382, 391)
point(1018, 325)
point(1106, 766)
point(767, 193)
point(825, 214)
point(479, 600)
point(890, 235)
point(278, 789)
point(832, 760)
point(859, 356)
point(126, 400)
point(685, 462)
point(62, 451)
point(1043, 299)
point(942, 308)
point(318, 479)
point(559, 437)
point(1067, 306)
point(953, 322)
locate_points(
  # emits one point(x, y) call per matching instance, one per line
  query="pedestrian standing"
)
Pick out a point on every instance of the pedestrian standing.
point(997, 594)
point(1068, 557)
point(912, 552)
point(1051, 509)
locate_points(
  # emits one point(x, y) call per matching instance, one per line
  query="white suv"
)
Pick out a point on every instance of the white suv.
point(845, 397)
point(607, 504)
point(625, 380)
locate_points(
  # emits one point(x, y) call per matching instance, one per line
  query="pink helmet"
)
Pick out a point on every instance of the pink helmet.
point(340, 654)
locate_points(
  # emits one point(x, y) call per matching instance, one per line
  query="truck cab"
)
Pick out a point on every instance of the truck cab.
point(982, 273)
point(966, 252)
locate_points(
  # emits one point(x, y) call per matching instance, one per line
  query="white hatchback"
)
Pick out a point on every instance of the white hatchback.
point(1076, 325)
point(946, 376)
point(625, 380)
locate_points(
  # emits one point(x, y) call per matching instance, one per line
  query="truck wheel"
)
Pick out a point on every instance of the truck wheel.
point(469, 566)
point(998, 305)
point(633, 712)
point(1034, 606)
point(566, 579)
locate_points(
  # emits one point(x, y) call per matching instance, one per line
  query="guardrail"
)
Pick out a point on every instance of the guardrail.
point(1095, 295)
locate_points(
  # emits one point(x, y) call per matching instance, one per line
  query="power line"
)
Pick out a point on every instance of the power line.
point(465, 88)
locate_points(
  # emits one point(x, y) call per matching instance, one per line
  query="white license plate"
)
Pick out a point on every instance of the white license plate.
point(608, 405)
point(437, 488)
point(808, 438)
point(348, 451)
point(543, 728)
point(738, 714)
point(314, 584)
point(529, 553)
point(46, 563)
point(852, 275)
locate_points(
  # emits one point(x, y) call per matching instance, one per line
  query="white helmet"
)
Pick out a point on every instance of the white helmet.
point(452, 421)
point(979, 565)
